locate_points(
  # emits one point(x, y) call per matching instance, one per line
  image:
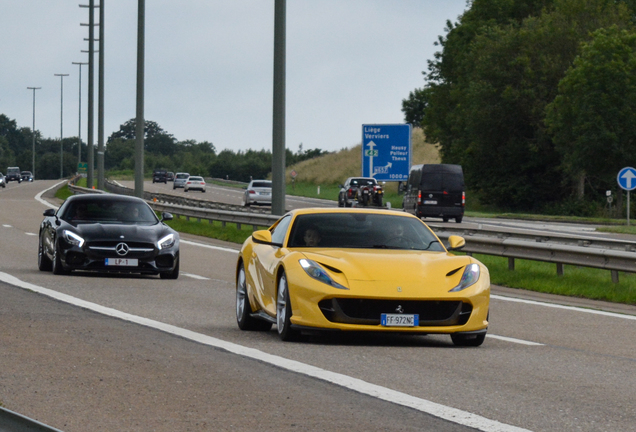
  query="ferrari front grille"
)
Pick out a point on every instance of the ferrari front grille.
point(368, 311)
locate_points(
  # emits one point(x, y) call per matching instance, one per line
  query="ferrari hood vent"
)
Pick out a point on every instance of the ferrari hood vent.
point(333, 269)
point(452, 272)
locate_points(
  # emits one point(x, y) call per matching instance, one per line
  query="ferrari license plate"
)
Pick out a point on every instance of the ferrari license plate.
point(400, 320)
point(126, 262)
point(433, 202)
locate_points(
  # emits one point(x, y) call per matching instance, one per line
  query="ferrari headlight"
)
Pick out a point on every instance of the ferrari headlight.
point(166, 242)
point(73, 238)
point(314, 270)
point(470, 277)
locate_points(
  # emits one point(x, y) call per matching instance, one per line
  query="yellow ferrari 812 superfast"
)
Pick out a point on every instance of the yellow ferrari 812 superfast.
point(359, 270)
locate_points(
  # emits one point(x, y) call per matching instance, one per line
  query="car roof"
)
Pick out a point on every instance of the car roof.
point(319, 210)
point(104, 198)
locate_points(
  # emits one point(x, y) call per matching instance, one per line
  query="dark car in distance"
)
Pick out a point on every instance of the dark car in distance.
point(13, 174)
point(108, 233)
point(170, 176)
point(160, 176)
point(436, 190)
point(26, 176)
point(361, 190)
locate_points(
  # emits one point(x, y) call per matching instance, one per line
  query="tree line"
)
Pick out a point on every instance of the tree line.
point(535, 99)
point(161, 150)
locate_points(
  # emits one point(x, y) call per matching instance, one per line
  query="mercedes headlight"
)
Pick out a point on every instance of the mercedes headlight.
point(166, 242)
point(470, 277)
point(313, 269)
point(73, 238)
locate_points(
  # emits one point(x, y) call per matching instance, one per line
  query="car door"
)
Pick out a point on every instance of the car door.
point(266, 260)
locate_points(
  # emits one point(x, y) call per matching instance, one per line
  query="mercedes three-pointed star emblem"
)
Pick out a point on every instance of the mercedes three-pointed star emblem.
point(122, 249)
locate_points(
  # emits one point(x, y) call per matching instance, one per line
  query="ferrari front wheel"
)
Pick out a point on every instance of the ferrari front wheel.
point(284, 311)
point(243, 309)
point(468, 340)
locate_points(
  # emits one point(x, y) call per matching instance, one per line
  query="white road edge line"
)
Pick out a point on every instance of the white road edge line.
point(203, 245)
point(453, 415)
point(38, 197)
point(558, 306)
point(514, 340)
point(7, 226)
point(193, 276)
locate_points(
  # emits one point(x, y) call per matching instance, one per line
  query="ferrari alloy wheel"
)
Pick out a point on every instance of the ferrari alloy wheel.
point(243, 309)
point(57, 261)
point(468, 340)
point(44, 263)
point(283, 311)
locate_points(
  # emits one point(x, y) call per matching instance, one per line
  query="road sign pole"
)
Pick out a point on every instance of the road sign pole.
point(627, 208)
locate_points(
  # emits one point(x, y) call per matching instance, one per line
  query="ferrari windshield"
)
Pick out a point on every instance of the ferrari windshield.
point(111, 211)
point(362, 230)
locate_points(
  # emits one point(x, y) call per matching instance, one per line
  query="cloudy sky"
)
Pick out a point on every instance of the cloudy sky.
point(209, 66)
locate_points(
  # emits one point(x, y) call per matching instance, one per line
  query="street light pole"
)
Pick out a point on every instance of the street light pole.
point(79, 133)
point(100, 101)
point(61, 123)
point(33, 130)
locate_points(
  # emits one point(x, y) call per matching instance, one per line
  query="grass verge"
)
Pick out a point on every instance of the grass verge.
point(584, 282)
point(211, 229)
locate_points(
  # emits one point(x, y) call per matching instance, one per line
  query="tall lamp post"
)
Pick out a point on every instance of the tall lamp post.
point(33, 130)
point(79, 122)
point(61, 123)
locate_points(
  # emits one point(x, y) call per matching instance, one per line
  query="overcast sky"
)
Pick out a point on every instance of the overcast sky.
point(209, 66)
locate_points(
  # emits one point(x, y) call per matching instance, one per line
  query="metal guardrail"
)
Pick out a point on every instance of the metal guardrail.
point(606, 254)
point(532, 236)
point(13, 422)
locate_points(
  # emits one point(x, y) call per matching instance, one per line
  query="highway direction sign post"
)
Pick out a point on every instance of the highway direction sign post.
point(82, 168)
point(386, 151)
point(627, 180)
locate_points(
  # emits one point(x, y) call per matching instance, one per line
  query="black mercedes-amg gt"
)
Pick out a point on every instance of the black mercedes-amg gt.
point(108, 233)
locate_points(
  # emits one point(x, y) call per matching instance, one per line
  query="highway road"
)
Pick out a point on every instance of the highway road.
point(94, 352)
point(229, 195)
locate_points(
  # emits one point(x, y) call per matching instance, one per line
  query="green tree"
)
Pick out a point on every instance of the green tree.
point(414, 107)
point(488, 89)
point(593, 118)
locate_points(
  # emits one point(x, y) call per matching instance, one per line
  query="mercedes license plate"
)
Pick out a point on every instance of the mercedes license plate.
point(430, 202)
point(400, 320)
point(127, 262)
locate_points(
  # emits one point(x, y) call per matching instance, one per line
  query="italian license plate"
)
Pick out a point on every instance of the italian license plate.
point(265, 193)
point(400, 320)
point(430, 202)
point(126, 262)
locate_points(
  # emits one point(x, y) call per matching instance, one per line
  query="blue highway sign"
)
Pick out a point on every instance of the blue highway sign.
point(627, 178)
point(386, 151)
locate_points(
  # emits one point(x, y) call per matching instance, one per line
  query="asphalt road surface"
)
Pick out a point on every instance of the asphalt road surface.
point(105, 353)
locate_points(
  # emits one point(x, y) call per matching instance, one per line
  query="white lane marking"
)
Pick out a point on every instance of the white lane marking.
point(570, 308)
point(38, 197)
point(7, 226)
point(453, 415)
point(193, 276)
point(514, 340)
point(208, 246)
point(31, 234)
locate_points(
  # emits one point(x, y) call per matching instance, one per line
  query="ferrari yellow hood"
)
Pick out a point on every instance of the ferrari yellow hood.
point(390, 265)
